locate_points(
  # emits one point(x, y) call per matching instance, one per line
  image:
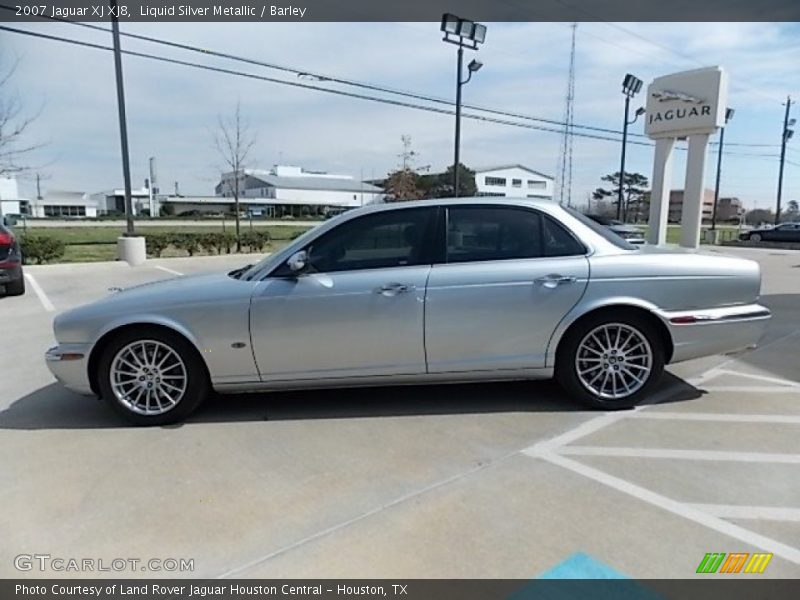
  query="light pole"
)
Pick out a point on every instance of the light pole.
point(728, 116)
point(467, 34)
point(787, 135)
point(123, 127)
point(630, 87)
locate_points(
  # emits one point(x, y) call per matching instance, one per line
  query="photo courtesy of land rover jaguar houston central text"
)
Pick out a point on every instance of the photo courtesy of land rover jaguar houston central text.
point(413, 293)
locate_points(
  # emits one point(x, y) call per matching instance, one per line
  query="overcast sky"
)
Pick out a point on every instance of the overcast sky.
point(172, 110)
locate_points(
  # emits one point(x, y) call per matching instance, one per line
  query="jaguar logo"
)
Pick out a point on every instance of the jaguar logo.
point(669, 95)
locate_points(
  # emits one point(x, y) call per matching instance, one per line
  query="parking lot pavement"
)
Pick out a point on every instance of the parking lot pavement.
point(489, 480)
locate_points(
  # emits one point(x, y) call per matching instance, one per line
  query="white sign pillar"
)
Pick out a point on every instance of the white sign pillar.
point(691, 105)
point(692, 210)
point(659, 195)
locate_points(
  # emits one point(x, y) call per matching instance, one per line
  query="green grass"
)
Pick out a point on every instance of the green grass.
point(89, 235)
point(108, 252)
point(674, 232)
point(93, 244)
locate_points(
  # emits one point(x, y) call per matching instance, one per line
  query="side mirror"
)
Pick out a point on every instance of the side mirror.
point(297, 262)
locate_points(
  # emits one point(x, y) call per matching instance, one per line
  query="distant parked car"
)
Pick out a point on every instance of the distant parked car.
point(629, 233)
point(11, 280)
point(785, 232)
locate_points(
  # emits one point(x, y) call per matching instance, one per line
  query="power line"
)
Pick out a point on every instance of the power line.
point(323, 77)
point(308, 86)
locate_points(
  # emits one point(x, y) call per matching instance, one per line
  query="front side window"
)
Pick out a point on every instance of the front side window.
point(395, 238)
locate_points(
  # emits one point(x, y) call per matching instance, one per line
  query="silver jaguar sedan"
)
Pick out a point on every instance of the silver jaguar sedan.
point(424, 292)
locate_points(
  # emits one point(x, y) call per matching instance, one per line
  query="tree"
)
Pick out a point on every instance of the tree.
point(235, 141)
point(792, 212)
point(440, 185)
point(14, 123)
point(635, 193)
point(402, 184)
point(759, 215)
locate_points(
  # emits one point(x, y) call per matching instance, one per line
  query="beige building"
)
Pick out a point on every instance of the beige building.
point(676, 205)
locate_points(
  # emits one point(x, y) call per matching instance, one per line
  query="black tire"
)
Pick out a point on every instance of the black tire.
point(16, 288)
point(566, 367)
point(197, 388)
point(755, 237)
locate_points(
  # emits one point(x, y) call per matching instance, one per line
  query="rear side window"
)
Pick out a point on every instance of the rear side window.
point(558, 241)
point(478, 233)
point(601, 230)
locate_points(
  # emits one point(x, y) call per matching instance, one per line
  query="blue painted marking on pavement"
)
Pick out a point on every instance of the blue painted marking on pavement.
point(582, 566)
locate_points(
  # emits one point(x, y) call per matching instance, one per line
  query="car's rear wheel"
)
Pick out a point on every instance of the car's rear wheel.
point(152, 377)
point(16, 288)
point(610, 362)
point(756, 237)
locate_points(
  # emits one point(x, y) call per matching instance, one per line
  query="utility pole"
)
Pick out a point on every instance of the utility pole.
point(123, 128)
point(564, 168)
point(456, 160)
point(728, 116)
point(786, 135)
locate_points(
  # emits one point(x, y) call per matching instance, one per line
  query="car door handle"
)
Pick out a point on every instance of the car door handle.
point(392, 289)
point(554, 280)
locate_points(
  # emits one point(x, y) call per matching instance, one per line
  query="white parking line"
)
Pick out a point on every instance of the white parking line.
point(775, 380)
point(767, 513)
point(715, 455)
point(751, 389)
point(168, 270)
point(48, 306)
point(678, 416)
point(679, 508)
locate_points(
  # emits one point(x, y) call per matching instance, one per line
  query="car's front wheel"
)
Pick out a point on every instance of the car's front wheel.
point(151, 376)
point(755, 237)
point(610, 362)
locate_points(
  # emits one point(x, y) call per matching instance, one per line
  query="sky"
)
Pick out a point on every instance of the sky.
point(173, 110)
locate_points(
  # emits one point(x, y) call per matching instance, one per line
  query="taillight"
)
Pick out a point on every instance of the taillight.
point(6, 239)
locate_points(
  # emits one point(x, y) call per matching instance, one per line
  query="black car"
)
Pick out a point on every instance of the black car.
point(629, 233)
point(785, 232)
point(12, 283)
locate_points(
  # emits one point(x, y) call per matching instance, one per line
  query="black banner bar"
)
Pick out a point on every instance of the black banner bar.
point(404, 10)
point(710, 588)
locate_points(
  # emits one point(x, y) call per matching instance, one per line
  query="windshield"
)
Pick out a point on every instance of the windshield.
point(601, 230)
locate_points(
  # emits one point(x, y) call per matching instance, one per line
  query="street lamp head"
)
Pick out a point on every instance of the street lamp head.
point(631, 85)
point(450, 23)
point(474, 66)
point(791, 122)
point(458, 31)
point(729, 114)
point(640, 111)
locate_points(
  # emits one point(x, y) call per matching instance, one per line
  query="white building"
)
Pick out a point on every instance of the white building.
point(63, 204)
point(513, 180)
point(292, 190)
point(113, 201)
point(10, 201)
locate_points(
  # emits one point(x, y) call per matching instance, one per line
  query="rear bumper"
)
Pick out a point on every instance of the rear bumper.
point(68, 364)
point(699, 333)
point(10, 272)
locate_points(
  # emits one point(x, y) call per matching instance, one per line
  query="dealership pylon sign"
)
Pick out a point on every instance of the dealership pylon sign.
point(692, 105)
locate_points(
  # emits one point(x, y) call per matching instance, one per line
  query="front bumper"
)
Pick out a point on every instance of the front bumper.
point(69, 365)
point(697, 333)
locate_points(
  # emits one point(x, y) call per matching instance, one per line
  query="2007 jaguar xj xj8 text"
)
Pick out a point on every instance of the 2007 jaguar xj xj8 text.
point(418, 292)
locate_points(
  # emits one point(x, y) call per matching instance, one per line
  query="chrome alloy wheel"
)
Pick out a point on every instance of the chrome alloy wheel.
point(614, 360)
point(148, 377)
